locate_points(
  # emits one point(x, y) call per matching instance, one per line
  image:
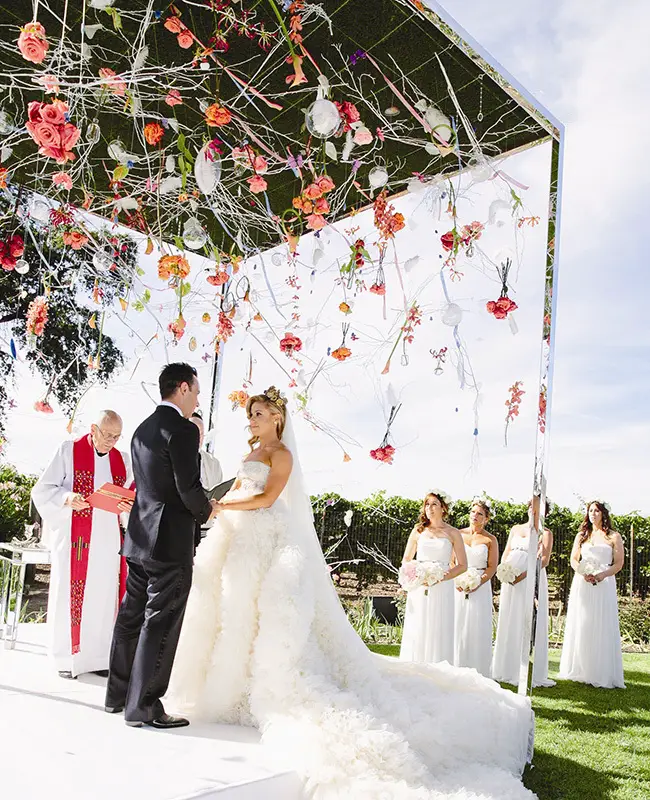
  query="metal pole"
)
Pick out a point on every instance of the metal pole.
point(631, 559)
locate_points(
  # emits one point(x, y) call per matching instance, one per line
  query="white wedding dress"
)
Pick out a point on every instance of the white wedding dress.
point(510, 628)
point(473, 634)
point(428, 634)
point(266, 643)
point(591, 652)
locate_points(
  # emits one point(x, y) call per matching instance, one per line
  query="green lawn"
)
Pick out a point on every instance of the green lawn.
point(590, 743)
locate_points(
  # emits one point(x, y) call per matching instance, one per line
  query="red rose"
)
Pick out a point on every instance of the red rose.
point(448, 240)
point(69, 136)
point(44, 134)
point(34, 111)
point(290, 344)
point(54, 112)
point(16, 245)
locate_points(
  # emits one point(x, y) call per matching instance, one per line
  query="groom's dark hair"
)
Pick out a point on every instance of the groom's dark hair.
point(172, 376)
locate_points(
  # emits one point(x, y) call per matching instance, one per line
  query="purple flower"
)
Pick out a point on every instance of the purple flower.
point(357, 56)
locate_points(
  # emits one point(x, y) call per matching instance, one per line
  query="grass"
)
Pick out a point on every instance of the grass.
point(589, 743)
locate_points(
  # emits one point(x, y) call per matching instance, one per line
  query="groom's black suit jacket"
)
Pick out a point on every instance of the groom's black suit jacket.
point(170, 502)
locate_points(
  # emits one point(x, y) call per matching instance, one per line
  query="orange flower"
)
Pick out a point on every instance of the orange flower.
point(177, 328)
point(219, 278)
point(153, 133)
point(185, 39)
point(173, 267)
point(216, 115)
point(341, 353)
point(313, 191)
point(75, 239)
point(325, 184)
point(344, 308)
point(321, 206)
point(206, 318)
point(316, 222)
point(257, 184)
point(296, 203)
point(3, 177)
point(174, 24)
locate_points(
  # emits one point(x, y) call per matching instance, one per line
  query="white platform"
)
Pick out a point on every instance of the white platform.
point(57, 741)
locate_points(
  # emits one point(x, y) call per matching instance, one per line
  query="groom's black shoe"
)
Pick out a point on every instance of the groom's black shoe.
point(163, 721)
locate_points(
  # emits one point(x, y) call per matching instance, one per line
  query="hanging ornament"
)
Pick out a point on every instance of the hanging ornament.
point(22, 266)
point(276, 259)
point(439, 356)
point(392, 111)
point(194, 237)
point(6, 123)
point(39, 209)
point(192, 344)
point(323, 119)
point(452, 315)
point(378, 177)
point(93, 133)
point(102, 261)
point(207, 169)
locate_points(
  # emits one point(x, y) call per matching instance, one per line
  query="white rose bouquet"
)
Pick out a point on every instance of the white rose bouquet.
point(589, 566)
point(468, 581)
point(509, 570)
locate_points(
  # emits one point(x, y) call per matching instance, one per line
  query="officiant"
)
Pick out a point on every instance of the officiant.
point(87, 571)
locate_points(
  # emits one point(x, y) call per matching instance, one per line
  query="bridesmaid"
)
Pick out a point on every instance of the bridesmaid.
point(510, 627)
point(592, 638)
point(473, 628)
point(429, 620)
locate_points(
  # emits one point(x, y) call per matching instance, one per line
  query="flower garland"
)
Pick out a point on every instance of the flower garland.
point(512, 404)
point(37, 316)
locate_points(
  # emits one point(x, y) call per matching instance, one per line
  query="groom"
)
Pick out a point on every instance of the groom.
point(164, 528)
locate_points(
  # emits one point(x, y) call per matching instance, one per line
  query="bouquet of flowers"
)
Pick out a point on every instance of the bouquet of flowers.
point(413, 574)
point(512, 568)
point(589, 566)
point(468, 581)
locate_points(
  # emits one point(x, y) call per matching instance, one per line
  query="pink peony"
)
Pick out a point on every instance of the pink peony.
point(32, 43)
point(257, 184)
point(62, 179)
point(315, 222)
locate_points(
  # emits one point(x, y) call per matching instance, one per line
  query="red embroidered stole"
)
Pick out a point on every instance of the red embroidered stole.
point(83, 462)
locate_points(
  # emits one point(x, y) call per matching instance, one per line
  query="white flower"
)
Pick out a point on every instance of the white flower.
point(347, 517)
point(484, 500)
point(589, 566)
point(434, 572)
point(443, 495)
point(469, 580)
point(506, 573)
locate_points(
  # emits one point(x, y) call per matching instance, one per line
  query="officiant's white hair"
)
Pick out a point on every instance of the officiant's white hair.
point(107, 415)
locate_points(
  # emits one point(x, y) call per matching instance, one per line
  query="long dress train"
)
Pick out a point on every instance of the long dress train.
point(473, 618)
point(428, 634)
point(266, 643)
point(592, 637)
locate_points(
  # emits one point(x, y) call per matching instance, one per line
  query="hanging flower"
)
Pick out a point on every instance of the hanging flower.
point(50, 83)
point(448, 241)
point(217, 115)
point(225, 328)
point(257, 184)
point(325, 184)
point(173, 267)
point(502, 307)
point(174, 24)
point(48, 128)
point(173, 98)
point(62, 179)
point(512, 404)
point(316, 222)
point(378, 289)
point(341, 353)
point(313, 192)
point(185, 39)
point(11, 249)
point(32, 43)
point(206, 318)
point(298, 76)
point(75, 239)
point(541, 411)
point(238, 399)
point(43, 406)
point(345, 308)
point(112, 81)
point(219, 278)
point(37, 316)
point(290, 344)
point(153, 133)
point(387, 220)
point(384, 454)
point(472, 232)
point(3, 177)
point(177, 328)
point(348, 113)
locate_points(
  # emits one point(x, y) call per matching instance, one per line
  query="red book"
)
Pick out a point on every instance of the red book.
point(109, 496)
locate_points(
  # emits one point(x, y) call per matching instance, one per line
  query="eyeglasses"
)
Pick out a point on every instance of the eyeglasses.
point(110, 437)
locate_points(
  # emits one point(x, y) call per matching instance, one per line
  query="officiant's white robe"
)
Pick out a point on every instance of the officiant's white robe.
point(101, 595)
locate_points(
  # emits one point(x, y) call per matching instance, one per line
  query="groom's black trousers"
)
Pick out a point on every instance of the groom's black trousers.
point(146, 636)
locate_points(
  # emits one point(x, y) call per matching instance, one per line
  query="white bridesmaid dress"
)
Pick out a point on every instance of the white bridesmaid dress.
point(510, 629)
point(428, 634)
point(473, 618)
point(592, 636)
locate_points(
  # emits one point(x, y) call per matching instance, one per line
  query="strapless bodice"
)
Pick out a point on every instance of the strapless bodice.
point(602, 553)
point(253, 476)
point(434, 548)
point(477, 556)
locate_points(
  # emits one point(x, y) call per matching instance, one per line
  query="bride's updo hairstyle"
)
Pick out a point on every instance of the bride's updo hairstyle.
point(276, 404)
point(424, 521)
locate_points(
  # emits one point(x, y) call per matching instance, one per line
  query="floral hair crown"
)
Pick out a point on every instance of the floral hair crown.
point(273, 396)
point(602, 503)
point(442, 495)
point(483, 500)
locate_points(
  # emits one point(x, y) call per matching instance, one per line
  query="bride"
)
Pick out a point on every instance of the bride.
point(266, 643)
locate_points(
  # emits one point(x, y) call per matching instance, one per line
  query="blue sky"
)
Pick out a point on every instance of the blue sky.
point(590, 71)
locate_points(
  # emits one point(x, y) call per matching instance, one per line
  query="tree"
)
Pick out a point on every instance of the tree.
point(73, 351)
